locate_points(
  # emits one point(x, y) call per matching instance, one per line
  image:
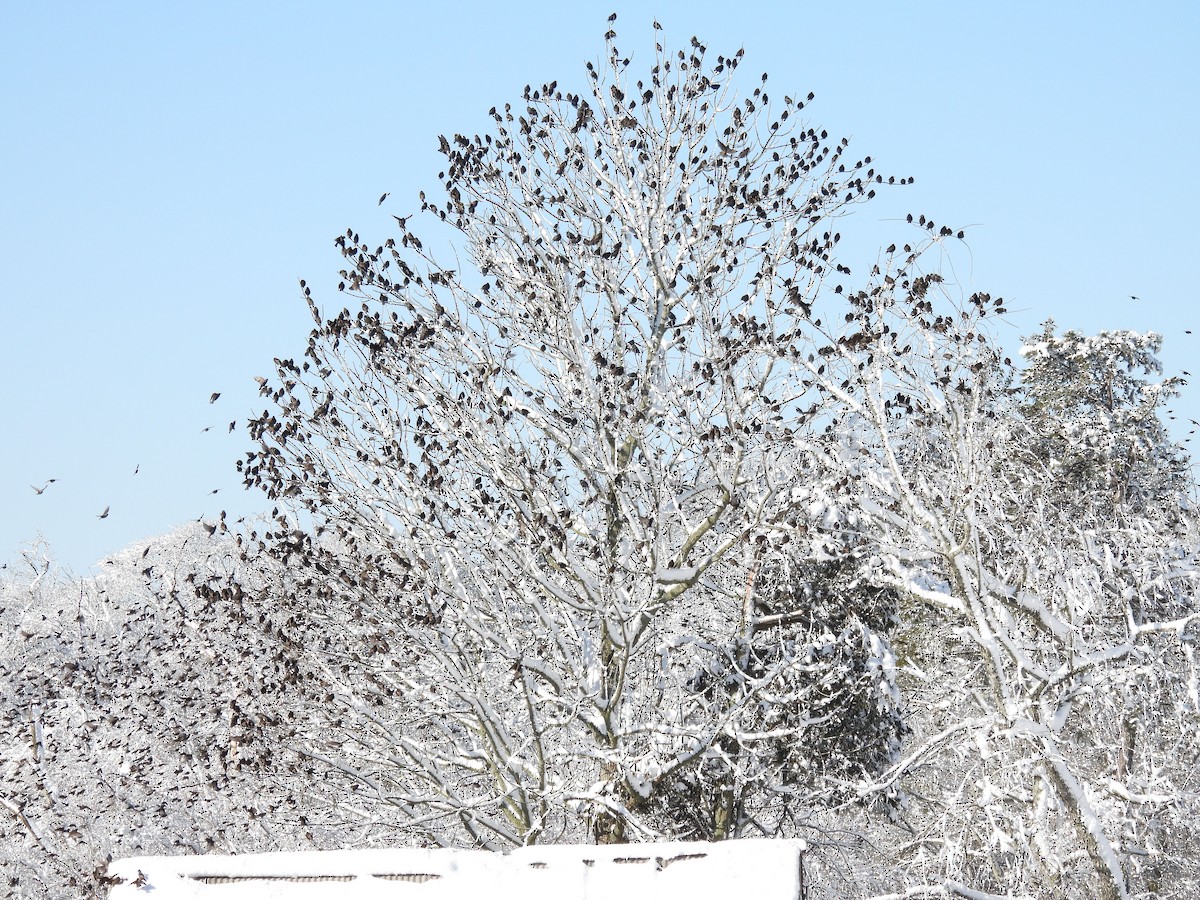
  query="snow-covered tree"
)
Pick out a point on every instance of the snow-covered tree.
point(1095, 414)
point(128, 710)
point(540, 494)
point(1040, 641)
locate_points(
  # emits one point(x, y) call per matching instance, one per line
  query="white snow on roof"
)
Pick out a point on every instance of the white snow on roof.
point(764, 870)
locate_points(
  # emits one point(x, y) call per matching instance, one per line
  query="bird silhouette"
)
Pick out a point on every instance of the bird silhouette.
point(104, 515)
point(41, 490)
point(137, 468)
point(383, 197)
point(1131, 297)
point(232, 425)
point(213, 398)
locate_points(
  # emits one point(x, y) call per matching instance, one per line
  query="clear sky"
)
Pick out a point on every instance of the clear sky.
point(168, 171)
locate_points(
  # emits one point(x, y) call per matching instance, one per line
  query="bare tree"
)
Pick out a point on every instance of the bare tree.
point(532, 491)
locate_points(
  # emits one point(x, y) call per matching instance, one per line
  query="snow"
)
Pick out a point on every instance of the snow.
point(764, 869)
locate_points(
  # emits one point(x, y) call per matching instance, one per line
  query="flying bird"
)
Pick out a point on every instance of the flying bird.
point(1131, 297)
point(137, 468)
point(41, 490)
point(383, 197)
point(104, 515)
point(232, 425)
point(213, 398)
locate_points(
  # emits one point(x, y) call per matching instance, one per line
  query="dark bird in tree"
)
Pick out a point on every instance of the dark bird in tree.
point(104, 515)
point(213, 398)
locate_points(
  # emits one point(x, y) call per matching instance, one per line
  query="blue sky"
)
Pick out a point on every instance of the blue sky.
point(170, 170)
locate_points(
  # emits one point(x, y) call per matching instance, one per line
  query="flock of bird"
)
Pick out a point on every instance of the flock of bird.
point(216, 395)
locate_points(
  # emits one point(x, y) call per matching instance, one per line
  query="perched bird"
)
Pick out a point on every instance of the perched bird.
point(213, 398)
point(104, 515)
point(383, 197)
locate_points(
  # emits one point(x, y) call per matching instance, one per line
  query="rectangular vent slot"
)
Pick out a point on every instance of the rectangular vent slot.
point(674, 859)
point(414, 877)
